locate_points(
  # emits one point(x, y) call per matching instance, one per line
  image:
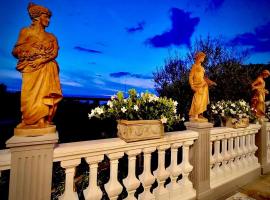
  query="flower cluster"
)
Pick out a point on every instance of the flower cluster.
point(234, 109)
point(144, 106)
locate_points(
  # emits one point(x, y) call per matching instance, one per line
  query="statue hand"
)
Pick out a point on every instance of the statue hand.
point(35, 63)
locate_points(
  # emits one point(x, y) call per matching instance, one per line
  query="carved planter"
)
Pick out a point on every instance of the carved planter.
point(136, 130)
point(236, 123)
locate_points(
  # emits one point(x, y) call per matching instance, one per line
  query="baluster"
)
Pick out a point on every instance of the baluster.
point(249, 150)
point(185, 183)
point(93, 191)
point(254, 149)
point(241, 152)
point(226, 157)
point(161, 174)
point(218, 159)
point(232, 156)
point(245, 151)
point(113, 187)
point(212, 161)
point(175, 170)
point(237, 151)
point(69, 166)
point(146, 178)
point(131, 182)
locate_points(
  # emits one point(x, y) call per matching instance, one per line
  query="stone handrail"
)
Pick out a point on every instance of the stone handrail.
point(70, 155)
point(5, 157)
point(232, 153)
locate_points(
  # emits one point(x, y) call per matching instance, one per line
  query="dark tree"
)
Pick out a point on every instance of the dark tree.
point(223, 64)
point(171, 80)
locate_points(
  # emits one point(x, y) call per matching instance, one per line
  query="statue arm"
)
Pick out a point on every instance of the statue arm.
point(50, 55)
point(256, 84)
point(19, 46)
point(52, 52)
point(210, 82)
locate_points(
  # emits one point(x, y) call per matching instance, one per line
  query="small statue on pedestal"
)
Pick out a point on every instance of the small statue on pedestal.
point(36, 51)
point(258, 97)
point(199, 84)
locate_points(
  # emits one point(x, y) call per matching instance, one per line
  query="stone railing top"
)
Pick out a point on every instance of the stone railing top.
point(225, 132)
point(5, 157)
point(76, 150)
point(267, 125)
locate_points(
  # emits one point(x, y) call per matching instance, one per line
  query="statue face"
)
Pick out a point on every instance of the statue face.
point(44, 20)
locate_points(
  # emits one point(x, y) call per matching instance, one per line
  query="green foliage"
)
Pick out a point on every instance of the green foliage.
point(235, 109)
point(145, 106)
point(171, 81)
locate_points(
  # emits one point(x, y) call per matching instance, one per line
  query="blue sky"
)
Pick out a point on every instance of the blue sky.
point(111, 45)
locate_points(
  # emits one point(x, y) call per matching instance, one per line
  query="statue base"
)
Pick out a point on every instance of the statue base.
point(199, 120)
point(33, 131)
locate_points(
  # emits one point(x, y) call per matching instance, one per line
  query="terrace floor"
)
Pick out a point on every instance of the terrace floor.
point(256, 190)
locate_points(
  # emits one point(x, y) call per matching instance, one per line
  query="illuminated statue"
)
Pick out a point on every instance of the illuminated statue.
point(199, 84)
point(259, 91)
point(36, 51)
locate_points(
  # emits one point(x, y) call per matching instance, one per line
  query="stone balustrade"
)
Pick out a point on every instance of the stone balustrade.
point(232, 153)
point(233, 156)
point(70, 155)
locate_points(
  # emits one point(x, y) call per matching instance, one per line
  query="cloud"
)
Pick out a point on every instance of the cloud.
point(183, 26)
point(88, 50)
point(13, 74)
point(257, 41)
point(215, 4)
point(138, 27)
point(127, 74)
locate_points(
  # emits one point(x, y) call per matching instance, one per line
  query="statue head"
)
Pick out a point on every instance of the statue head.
point(200, 55)
point(36, 11)
point(265, 73)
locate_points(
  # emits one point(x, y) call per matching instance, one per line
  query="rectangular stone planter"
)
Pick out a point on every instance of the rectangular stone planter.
point(234, 123)
point(135, 130)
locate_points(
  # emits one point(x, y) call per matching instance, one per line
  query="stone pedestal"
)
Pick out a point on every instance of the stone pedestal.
point(31, 166)
point(200, 158)
point(262, 139)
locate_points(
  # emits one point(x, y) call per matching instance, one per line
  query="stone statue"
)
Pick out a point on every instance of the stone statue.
point(258, 98)
point(36, 51)
point(199, 84)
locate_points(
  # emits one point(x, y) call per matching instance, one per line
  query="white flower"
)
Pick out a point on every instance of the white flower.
point(174, 110)
point(233, 105)
point(123, 109)
point(113, 97)
point(92, 114)
point(156, 98)
point(213, 107)
point(232, 111)
point(99, 110)
point(175, 103)
point(242, 103)
point(163, 120)
point(183, 119)
point(136, 107)
point(110, 104)
point(151, 99)
point(222, 113)
point(125, 100)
